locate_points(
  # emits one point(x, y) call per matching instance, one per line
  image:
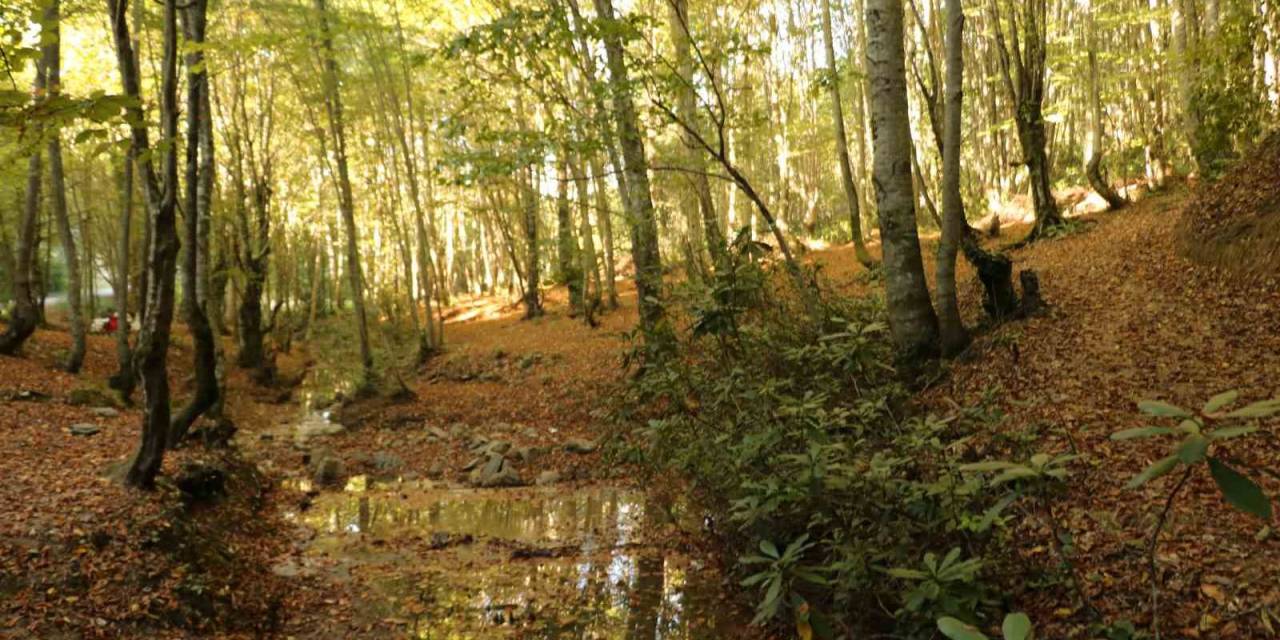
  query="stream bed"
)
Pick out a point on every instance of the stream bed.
point(441, 561)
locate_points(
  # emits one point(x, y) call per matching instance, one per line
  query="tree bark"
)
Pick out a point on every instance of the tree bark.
point(1093, 168)
point(198, 202)
point(570, 273)
point(529, 205)
point(337, 126)
point(912, 322)
point(58, 191)
point(842, 142)
point(153, 340)
point(952, 333)
point(123, 380)
point(645, 252)
point(25, 315)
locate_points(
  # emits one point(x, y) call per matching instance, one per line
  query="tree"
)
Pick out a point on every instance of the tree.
point(198, 202)
point(1022, 68)
point(25, 315)
point(639, 198)
point(842, 142)
point(58, 189)
point(152, 352)
point(911, 317)
point(952, 333)
point(1093, 164)
point(346, 203)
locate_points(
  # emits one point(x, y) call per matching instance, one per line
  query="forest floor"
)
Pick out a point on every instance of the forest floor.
point(398, 544)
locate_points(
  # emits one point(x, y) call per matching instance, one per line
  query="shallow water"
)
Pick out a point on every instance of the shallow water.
point(531, 563)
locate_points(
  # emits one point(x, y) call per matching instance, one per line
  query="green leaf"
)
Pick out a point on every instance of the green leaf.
point(1141, 432)
point(1219, 401)
point(907, 574)
point(990, 465)
point(1162, 409)
point(957, 630)
point(1013, 474)
point(767, 547)
point(1232, 432)
point(1260, 409)
point(1157, 469)
point(1239, 490)
point(1017, 626)
point(1193, 449)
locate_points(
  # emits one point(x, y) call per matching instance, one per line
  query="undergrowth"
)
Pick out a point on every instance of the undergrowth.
point(847, 511)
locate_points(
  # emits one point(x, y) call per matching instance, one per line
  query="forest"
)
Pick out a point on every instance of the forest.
point(640, 319)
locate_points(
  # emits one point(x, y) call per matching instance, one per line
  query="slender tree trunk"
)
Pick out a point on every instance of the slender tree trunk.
point(911, 317)
point(605, 217)
point(570, 274)
point(700, 211)
point(58, 190)
point(644, 250)
point(842, 142)
point(529, 205)
point(590, 265)
point(199, 199)
point(25, 315)
point(123, 379)
point(952, 333)
point(1093, 168)
point(337, 126)
point(153, 340)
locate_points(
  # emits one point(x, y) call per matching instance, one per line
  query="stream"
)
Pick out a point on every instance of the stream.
point(440, 560)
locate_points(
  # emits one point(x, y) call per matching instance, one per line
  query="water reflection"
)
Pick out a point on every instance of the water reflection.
point(539, 563)
point(593, 517)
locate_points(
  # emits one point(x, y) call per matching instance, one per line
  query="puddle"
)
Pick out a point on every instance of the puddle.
point(527, 563)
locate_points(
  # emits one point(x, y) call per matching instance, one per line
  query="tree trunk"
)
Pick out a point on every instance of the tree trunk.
point(699, 210)
point(337, 126)
point(842, 142)
point(123, 380)
point(25, 315)
point(529, 205)
point(605, 217)
point(644, 249)
point(911, 318)
point(1093, 168)
point(153, 340)
point(570, 274)
point(198, 202)
point(58, 191)
point(590, 265)
point(952, 333)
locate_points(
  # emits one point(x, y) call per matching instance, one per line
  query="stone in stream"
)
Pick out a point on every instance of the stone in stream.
point(84, 429)
point(497, 471)
point(437, 433)
point(436, 471)
point(104, 412)
point(547, 478)
point(578, 445)
point(315, 426)
point(326, 470)
point(385, 462)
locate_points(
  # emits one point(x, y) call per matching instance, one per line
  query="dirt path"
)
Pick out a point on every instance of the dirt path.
point(1132, 320)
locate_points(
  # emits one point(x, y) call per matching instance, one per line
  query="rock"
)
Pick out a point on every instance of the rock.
point(436, 471)
point(315, 426)
point(202, 482)
point(548, 477)
point(385, 462)
point(104, 412)
point(524, 453)
point(496, 472)
point(498, 446)
point(327, 471)
point(437, 433)
point(84, 429)
point(475, 462)
point(458, 429)
point(530, 433)
point(29, 395)
point(578, 445)
point(90, 396)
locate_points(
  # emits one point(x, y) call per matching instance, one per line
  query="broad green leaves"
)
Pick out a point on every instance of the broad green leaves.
point(1239, 490)
point(1197, 446)
point(1016, 626)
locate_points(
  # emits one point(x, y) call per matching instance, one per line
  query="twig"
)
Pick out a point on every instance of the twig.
point(1151, 552)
